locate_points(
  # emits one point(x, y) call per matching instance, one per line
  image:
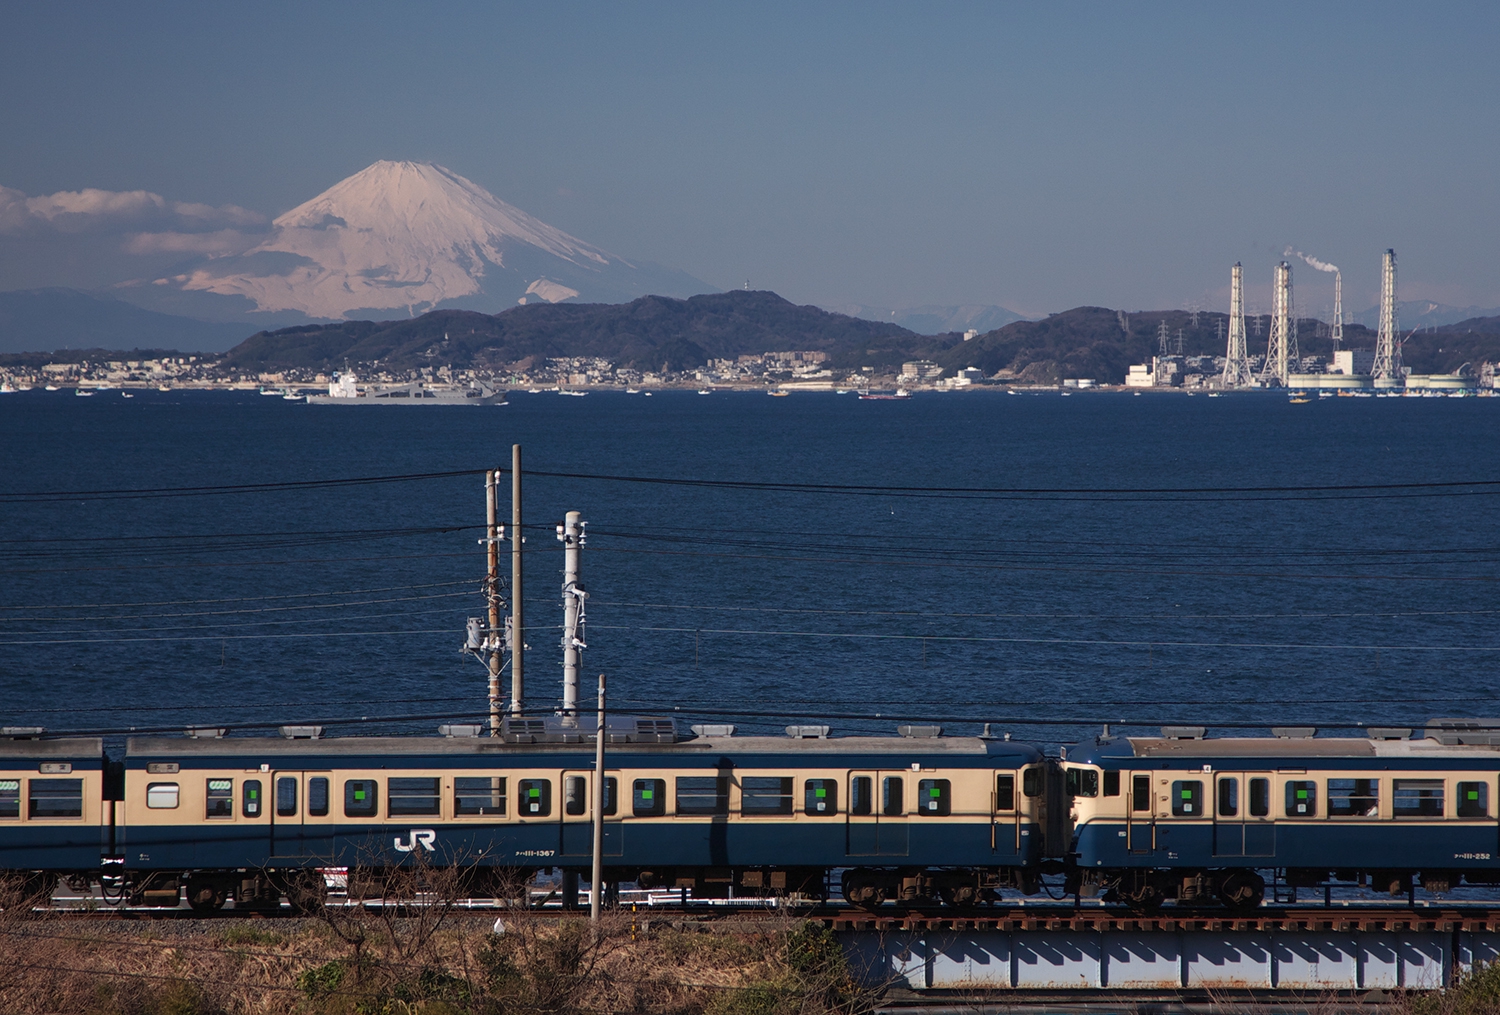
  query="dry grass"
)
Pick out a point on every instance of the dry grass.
point(431, 959)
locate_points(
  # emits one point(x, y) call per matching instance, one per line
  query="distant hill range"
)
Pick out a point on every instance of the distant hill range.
point(658, 332)
point(932, 319)
point(50, 319)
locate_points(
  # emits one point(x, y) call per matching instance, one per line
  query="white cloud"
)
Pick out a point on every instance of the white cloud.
point(106, 211)
point(224, 241)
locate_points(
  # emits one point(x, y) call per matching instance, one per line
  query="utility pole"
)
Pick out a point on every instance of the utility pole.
point(570, 533)
point(517, 626)
point(596, 877)
point(492, 591)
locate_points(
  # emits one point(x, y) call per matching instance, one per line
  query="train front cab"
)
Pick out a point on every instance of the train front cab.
point(1194, 819)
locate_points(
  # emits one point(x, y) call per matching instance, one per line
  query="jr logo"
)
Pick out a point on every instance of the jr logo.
point(423, 837)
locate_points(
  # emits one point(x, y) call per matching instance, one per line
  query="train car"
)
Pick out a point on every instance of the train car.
point(54, 818)
point(908, 817)
point(1193, 818)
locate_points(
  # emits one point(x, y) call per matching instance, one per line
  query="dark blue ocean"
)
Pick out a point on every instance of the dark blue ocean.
point(1041, 613)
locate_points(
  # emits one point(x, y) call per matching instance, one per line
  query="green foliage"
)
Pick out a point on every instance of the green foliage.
point(757, 999)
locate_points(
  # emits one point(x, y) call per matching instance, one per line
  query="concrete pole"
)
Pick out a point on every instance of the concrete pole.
point(596, 877)
point(571, 529)
point(492, 510)
point(517, 625)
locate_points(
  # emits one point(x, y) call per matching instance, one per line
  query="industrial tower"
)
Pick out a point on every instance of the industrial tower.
point(1387, 366)
point(1236, 357)
point(1281, 350)
point(1338, 310)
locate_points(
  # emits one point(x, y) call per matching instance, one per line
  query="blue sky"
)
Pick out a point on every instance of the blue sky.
point(1038, 156)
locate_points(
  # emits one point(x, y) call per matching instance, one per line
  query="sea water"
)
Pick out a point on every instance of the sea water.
point(1042, 613)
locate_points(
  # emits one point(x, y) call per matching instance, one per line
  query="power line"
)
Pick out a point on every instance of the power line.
point(229, 488)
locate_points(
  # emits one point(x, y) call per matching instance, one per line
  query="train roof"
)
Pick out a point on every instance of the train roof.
point(1163, 750)
point(962, 750)
point(74, 748)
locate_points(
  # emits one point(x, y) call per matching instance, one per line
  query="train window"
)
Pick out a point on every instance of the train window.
point(893, 796)
point(1031, 782)
point(760, 794)
point(648, 798)
point(821, 796)
point(702, 794)
point(10, 798)
point(1187, 798)
point(250, 798)
point(1301, 798)
point(361, 799)
point(536, 797)
point(861, 797)
point(286, 796)
point(575, 795)
point(1473, 800)
point(162, 796)
point(55, 798)
point(1083, 782)
point(1418, 798)
point(317, 797)
point(1005, 792)
point(407, 795)
point(1140, 793)
point(219, 801)
point(1228, 798)
point(934, 797)
point(1111, 783)
point(1260, 797)
point(479, 795)
point(1353, 798)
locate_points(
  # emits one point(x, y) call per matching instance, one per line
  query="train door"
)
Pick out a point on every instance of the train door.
point(1005, 828)
point(877, 814)
point(577, 815)
point(297, 797)
point(1140, 822)
point(1243, 823)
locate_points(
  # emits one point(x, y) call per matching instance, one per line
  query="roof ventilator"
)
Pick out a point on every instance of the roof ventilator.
point(722, 729)
point(807, 732)
point(920, 732)
point(1294, 732)
point(461, 730)
point(1184, 732)
point(1389, 732)
point(302, 732)
point(618, 730)
point(22, 732)
point(206, 732)
point(1477, 732)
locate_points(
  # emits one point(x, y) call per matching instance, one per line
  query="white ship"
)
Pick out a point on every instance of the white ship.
point(345, 390)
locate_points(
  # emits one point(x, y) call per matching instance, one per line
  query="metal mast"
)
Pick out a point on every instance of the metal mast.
point(1338, 309)
point(1236, 356)
point(517, 632)
point(1387, 350)
point(1281, 349)
point(570, 533)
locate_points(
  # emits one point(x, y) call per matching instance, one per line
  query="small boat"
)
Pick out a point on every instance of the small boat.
point(1069, 394)
point(648, 395)
point(272, 392)
point(126, 394)
point(289, 397)
point(705, 391)
point(1299, 400)
point(841, 391)
point(575, 394)
point(7, 389)
point(51, 387)
point(632, 391)
point(83, 393)
point(773, 394)
point(1213, 394)
point(163, 387)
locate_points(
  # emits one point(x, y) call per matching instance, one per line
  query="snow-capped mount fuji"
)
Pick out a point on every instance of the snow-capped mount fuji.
point(404, 238)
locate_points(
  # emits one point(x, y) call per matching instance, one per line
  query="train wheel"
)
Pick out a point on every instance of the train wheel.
point(205, 896)
point(306, 892)
point(1242, 890)
point(861, 890)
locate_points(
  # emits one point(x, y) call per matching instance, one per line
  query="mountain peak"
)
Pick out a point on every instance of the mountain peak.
point(414, 236)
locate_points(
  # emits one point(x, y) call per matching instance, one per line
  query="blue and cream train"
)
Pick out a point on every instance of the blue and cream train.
point(913, 818)
point(1193, 818)
point(907, 817)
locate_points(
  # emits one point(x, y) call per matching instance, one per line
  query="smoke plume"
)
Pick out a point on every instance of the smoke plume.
point(1311, 260)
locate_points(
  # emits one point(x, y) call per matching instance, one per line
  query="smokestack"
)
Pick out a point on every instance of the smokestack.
point(1236, 356)
point(1387, 372)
